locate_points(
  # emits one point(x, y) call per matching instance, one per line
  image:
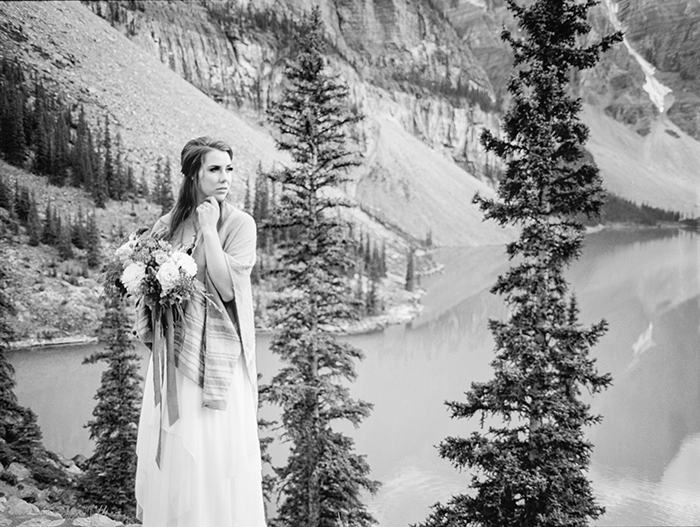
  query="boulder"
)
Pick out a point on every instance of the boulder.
point(30, 493)
point(80, 460)
point(74, 469)
point(19, 471)
point(19, 507)
point(96, 520)
point(42, 521)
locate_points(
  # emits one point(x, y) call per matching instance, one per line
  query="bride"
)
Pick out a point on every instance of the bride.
point(204, 469)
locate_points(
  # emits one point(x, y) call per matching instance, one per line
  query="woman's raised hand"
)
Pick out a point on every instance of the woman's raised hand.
point(208, 213)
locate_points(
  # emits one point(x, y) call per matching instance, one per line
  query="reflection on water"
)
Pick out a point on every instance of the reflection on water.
point(669, 500)
point(60, 389)
point(646, 463)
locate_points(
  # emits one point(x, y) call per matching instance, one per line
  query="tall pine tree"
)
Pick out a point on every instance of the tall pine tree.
point(99, 189)
point(529, 467)
point(93, 242)
point(109, 479)
point(12, 138)
point(163, 186)
point(19, 431)
point(34, 222)
point(6, 198)
point(323, 477)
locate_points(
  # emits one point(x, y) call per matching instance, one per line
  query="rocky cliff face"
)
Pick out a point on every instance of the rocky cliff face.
point(660, 58)
point(402, 60)
point(667, 35)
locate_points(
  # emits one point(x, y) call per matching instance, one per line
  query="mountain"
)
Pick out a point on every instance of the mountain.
point(156, 110)
point(88, 63)
point(428, 76)
point(439, 69)
point(642, 101)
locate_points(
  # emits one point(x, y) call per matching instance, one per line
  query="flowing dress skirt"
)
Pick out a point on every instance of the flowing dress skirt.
point(210, 469)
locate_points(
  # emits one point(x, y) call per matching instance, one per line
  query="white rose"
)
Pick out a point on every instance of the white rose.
point(133, 276)
point(125, 251)
point(161, 257)
point(168, 276)
point(185, 262)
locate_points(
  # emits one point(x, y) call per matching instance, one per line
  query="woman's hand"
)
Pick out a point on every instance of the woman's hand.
point(208, 213)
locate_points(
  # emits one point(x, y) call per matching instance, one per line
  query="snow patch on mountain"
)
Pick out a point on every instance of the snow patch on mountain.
point(660, 95)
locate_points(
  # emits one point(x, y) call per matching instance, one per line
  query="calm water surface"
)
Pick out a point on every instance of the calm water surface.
point(646, 462)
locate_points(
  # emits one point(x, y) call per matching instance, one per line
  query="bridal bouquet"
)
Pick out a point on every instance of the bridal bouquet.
point(163, 279)
point(150, 268)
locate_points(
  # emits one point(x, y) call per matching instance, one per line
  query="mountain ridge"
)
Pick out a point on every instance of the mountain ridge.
point(144, 96)
point(93, 64)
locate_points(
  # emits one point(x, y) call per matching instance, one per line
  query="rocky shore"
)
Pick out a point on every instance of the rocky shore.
point(24, 504)
point(16, 512)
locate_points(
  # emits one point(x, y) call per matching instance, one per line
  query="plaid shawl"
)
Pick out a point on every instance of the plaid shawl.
point(209, 341)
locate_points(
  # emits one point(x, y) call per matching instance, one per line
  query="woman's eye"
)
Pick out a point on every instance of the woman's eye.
point(229, 169)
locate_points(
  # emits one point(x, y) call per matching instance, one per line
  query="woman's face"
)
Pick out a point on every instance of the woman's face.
point(214, 176)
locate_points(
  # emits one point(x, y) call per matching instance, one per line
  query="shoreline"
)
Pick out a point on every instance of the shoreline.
point(361, 327)
point(399, 314)
point(30, 344)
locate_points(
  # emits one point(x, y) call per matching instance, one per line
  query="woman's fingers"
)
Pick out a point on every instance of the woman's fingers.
point(208, 211)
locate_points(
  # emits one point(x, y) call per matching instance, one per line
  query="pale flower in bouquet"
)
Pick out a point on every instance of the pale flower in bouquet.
point(133, 277)
point(149, 268)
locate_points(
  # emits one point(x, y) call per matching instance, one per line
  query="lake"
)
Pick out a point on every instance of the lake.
point(645, 467)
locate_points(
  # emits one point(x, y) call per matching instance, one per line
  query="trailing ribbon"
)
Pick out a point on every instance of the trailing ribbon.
point(164, 368)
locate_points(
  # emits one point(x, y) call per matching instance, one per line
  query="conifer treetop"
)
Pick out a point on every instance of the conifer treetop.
point(312, 115)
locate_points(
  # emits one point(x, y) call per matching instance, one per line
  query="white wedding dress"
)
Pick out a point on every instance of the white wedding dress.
point(210, 470)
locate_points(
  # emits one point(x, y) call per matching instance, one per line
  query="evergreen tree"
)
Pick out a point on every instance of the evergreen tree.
point(157, 184)
point(323, 477)
point(99, 190)
point(94, 244)
point(528, 468)
point(8, 399)
point(410, 284)
point(162, 188)
point(115, 172)
point(22, 203)
point(382, 261)
point(130, 182)
point(61, 150)
point(166, 194)
point(34, 223)
point(377, 267)
point(110, 172)
point(372, 302)
point(261, 213)
point(12, 139)
point(44, 145)
point(82, 158)
point(49, 233)
point(18, 426)
point(78, 232)
point(63, 244)
point(109, 479)
point(143, 190)
point(248, 201)
point(6, 198)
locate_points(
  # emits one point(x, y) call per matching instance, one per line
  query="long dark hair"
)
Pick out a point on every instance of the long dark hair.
point(191, 161)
